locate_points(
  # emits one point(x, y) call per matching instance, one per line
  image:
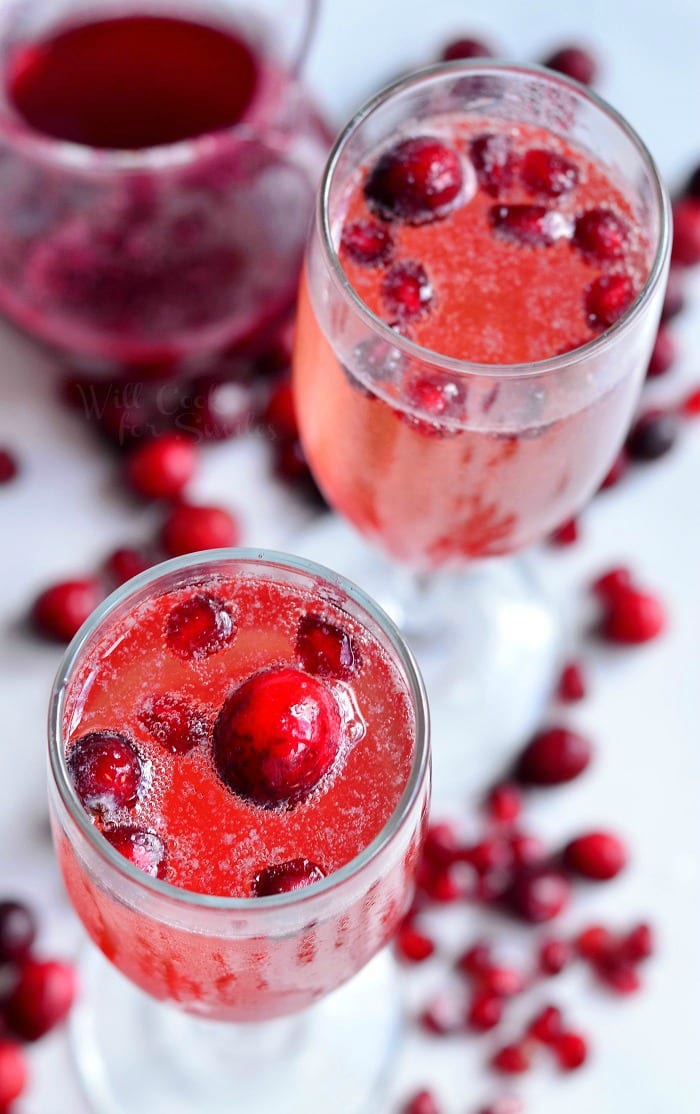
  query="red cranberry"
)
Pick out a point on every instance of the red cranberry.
point(176, 723)
point(406, 289)
point(444, 1015)
point(466, 48)
point(199, 626)
point(599, 856)
point(215, 408)
point(123, 564)
point(503, 982)
point(530, 225)
point(664, 353)
point(286, 878)
point(17, 931)
point(485, 1012)
point(292, 467)
point(326, 649)
point(539, 894)
point(441, 844)
point(14, 1073)
point(440, 400)
point(423, 1102)
point(8, 466)
point(414, 946)
point(607, 298)
point(161, 468)
point(619, 977)
point(566, 534)
point(548, 173)
point(526, 849)
point(60, 611)
point(547, 1026)
point(574, 62)
point(553, 757)
point(189, 528)
point(416, 180)
point(476, 960)
point(639, 943)
point(489, 855)
point(512, 1059)
point(41, 998)
point(554, 956)
point(617, 471)
point(504, 803)
point(106, 771)
point(633, 617)
point(366, 242)
point(571, 1051)
point(144, 850)
point(691, 404)
point(279, 416)
point(652, 436)
point(495, 162)
point(507, 1104)
point(594, 943)
point(572, 683)
point(601, 234)
point(276, 736)
point(449, 883)
point(674, 298)
point(686, 232)
point(610, 583)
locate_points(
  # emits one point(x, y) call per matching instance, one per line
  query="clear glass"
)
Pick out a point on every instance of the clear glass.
point(168, 255)
point(231, 961)
point(532, 448)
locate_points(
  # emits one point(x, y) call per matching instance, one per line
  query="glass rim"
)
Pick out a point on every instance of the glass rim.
point(451, 364)
point(420, 767)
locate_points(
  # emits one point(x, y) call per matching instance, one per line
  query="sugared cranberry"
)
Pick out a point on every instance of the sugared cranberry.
point(608, 584)
point(406, 289)
point(279, 418)
point(691, 404)
point(639, 943)
point(200, 626)
point(466, 48)
point(476, 960)
point(423, 1102)
point(547, 1026)
point(276, 736)
point(553, 757)
point(618, 469)
point(607, 298)
point(123, 564)
point(548, 173)
point(594, 943)
point(189, 528)
point(325, 648)
point(416, 180)
point(145, 850)
point(444, 1014)
point(554, 956)
point(161, 468)
point(106, 771)
point(602, 234)
point(485, 1012)
point(572, 683)
point(674, 298)
point(175, 722)
point(60, 611)
point(652, 436)
point(504, 803)
point(575, 62)
point(414, 946)
point(512, 1059)
point(566, 534)
point(571, 1051)
point(8, 466)
point(495, 163)
point(530, 225)
point(633, 617)
point(599, 856)
point(286, 878)
point(366, 242)
point(664, 353)
point(14, 1073)
point(539, 894)
point(686, 232)
point(41, 998)
point(17, 931)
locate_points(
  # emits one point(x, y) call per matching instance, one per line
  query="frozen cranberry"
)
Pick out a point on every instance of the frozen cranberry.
point(652, 436)
point(416, 180)
point(161, 468)
point(485, 1012)
point(41, 997)
point(633, 617)
point(326, 649)
point(607, 298)
point(14, 1073)
point(200, 626)
point(601, 233)
point(366, 242)
point(8, 466)
point(423, 1102)
point(444, 1014)
point(599, 856)
point(286, 878)
point(566, 534)
point(123, 564)
point(539, 894)
point(686, 232)
point(476, 960)
point(144, 850)
point(60, 611)
point(504, 982)
point(175, 722)
point(617, 470)
point(575, 62)
point(466, 48)
point(608, 584)
point(664, 353)
point(554, 956)
point(106, 770)
point(548, 173)
point(674, 298)
point(594, 943)
point(215, 408)
point(414, 946)
point(547, 1026)
point(512, 1059)
point(495, 163)
point(571, 1051)
point(639, 943)
point(691, 404)
point(436, 398)
point(504, 803)
point(572, 683)
point(406, 289)
point(279, 416)
point(554, 756)
point(189, 528)
point(276, 736)
point(532, 226)
point(17, 931)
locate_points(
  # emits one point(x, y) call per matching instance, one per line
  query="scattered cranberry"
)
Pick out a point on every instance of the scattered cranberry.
point(652, 436)
point(199, 626)
point(286, 878)
point(599, 856)
point(441, 844)
point(60, 611)
point(548, 173)
point(507, 1104)
point(547, 1026)
point(423, 1102)
point(485, 1012)
point(17, 931)
point(574, 62)
point(326, 649)
point(161, 468)
point(444, 1015)
point(106, 771)
point(601, 234)
point(367, 242)
point(466, 48)
point(8, 466)
point(633, 617)
point(674, 298)
point(448, 884)
point(553, 757)
point(512, 1059)
point(686, 232)
point(572, 683)
point(639, 943)
point(533, 226)
point(691, 404)
point(619, 977)
point(610, 583)
point(144, 850)
point(14, 1073)
point(489, 855)
point(414, 946)
point(617, 471)
point(539, 894)
point(567, 534)
point(123, 564)
point(41, 998)
point(571, 1051)
point(526, 849)
point(175, 722)
point(502, 982)
point(594, 943)
point(554, 957)
point(406, 289)
point(607, 298)
point(189, 529)
point(476, 960)
point(504, 803)
point(495, 163)
point(292, 467)
point(215, 408)
point(279, 416)
point(416, 180)
point(664, 353)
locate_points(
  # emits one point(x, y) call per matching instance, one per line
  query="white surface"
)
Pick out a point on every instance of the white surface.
point(66, 513)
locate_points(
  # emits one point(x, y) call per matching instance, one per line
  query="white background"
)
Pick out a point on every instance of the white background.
point(66, 513)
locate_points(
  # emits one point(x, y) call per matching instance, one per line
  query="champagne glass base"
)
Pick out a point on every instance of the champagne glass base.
point(488, 639)
point(138, 1056)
